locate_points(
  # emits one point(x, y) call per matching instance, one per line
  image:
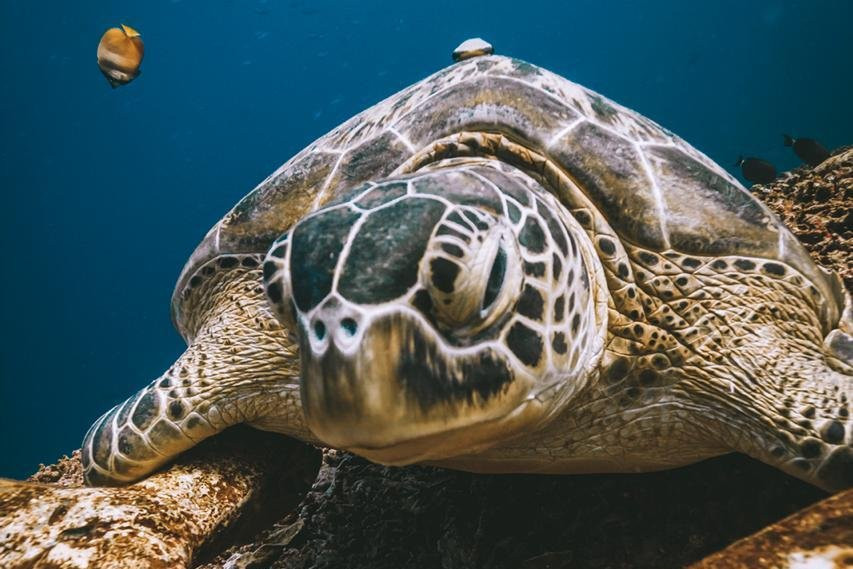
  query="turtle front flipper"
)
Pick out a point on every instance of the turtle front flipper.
point(778, 388)
point(239, 367)
point(804, 428)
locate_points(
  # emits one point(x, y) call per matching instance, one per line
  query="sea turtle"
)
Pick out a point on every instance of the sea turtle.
point(499, 270)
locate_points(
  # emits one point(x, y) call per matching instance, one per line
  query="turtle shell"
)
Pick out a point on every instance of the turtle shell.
point(654, 189)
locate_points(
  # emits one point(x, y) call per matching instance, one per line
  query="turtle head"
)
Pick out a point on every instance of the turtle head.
point(437, 314)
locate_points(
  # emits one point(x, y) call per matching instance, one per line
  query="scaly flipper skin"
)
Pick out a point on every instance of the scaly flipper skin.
point(629, 307)
point(240, 369)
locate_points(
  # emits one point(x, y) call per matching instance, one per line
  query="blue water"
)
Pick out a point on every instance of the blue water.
point(106, 192)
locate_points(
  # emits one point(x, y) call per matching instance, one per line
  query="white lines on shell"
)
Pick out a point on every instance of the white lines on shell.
point(311, 150)
point(648, 144)
point(417, 105)
point(322, 193)
point(406, 142)
point(217, 231)
point(455, 82)
point(333, 151)
point(485, 180)
point(563, 132)
point(548, 94)
point(114, 451)
point(352, 202)
point(610, 130)
point(658, 196)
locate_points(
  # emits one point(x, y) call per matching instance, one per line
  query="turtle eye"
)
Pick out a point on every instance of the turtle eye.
point(469, 292)
point(495, 282)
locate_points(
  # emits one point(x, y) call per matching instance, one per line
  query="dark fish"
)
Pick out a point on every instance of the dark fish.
point(756, 170)
point(809, 150)
point(120, 53)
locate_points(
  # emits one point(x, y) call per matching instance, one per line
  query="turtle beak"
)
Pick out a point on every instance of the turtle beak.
point(395, 394)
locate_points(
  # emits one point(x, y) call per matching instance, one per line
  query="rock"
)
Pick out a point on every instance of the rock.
point(365, 516)
point(164, 521)
point(68, 471)
point(818, 536)
point(815, 203)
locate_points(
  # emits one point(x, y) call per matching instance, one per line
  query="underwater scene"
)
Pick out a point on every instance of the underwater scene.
point(519, 240)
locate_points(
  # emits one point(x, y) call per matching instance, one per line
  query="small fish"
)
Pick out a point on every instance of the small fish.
point(120, 54)
point(809, 150)
point(756, 170)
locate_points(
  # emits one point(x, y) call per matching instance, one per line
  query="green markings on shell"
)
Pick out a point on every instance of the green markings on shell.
point(603, 110)
point(375, 159)
point(478, 103)
point(610, 171)
point(718, 218)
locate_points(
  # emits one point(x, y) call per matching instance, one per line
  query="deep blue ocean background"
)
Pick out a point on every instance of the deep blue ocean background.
point(106, 192)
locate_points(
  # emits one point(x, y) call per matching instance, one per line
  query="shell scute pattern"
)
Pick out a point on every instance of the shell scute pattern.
point(655, 176)
point(614, 179)
point(730, 220)
point(374, 159)
point(479, 104)
point(380, 195)
point(284, 200)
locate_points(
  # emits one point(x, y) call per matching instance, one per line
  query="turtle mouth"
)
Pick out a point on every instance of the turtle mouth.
point(404, 396)
point(465, 440)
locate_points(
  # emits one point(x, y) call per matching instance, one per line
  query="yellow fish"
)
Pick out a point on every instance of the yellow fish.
point(120, 55)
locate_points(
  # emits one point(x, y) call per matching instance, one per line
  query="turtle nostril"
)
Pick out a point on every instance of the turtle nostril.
point(349, 325)
point(319, 330)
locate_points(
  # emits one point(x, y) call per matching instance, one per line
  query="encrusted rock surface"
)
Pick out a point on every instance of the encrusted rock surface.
point(360, 515)
point(817, 537)
point(817, 205)
point(164, 521)
point(67, 471)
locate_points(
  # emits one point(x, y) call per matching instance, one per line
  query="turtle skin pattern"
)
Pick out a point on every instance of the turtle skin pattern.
point(720, 333)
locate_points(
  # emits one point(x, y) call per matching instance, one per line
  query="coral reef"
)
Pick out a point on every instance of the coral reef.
point(815, 203)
